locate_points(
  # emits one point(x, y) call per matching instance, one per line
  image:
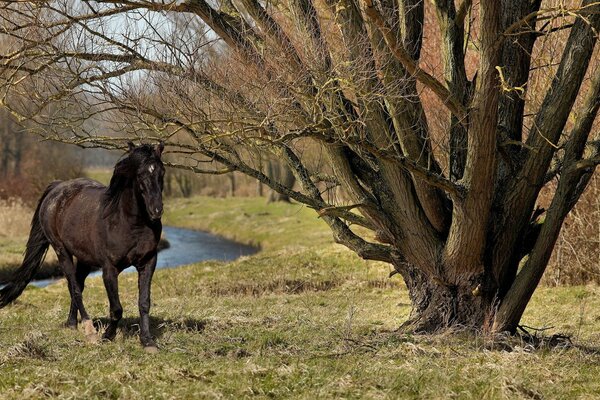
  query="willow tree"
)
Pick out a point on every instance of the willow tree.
point(455, 211)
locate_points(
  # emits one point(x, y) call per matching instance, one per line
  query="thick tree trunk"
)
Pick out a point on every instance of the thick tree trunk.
point(451, 308)
point(439, 306)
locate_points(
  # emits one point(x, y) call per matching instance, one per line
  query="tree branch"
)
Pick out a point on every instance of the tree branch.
point(523, 187)
point(441, 91)
point(453, 36)
point(574, 178)
point(470, 217)
point(369, 251)
point(455, 190)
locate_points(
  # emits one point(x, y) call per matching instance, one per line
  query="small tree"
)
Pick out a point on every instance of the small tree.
point(449, 194)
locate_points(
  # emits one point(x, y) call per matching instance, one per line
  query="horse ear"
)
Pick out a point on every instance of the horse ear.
point(130, 146)
point(158, 149)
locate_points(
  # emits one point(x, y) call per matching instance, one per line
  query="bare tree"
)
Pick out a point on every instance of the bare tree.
point(11, 146)
point(454, 210)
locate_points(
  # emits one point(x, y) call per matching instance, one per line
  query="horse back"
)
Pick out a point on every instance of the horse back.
point(69, 215)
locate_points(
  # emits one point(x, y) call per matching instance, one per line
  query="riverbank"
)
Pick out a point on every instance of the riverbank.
point(251, 221)
point(304, 318)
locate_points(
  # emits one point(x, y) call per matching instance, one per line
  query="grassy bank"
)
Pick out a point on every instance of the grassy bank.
point(304, 318)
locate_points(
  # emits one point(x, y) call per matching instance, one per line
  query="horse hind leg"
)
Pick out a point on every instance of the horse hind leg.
point(66, 262)
point(82, 270)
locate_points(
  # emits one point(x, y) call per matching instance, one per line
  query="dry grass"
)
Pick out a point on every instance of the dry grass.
point(14, 219)
point(576, 256)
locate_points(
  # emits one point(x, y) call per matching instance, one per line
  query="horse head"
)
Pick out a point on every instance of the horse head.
point(142, 170)
point(149, 176)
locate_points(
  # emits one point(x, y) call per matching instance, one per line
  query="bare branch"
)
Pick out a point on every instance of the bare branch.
point(453, 104)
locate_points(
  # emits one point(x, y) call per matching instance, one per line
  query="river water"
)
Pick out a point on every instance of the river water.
point(186, 247)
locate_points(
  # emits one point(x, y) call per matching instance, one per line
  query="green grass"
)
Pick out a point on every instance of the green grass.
point(99, 174)
point(304, 318)
point(251, 221)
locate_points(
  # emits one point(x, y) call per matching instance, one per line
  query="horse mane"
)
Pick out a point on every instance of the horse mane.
point(124, 175)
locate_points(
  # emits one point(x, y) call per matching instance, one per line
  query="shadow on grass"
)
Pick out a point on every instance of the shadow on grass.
point(130, 326)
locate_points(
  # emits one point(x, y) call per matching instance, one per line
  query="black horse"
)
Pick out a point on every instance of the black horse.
point(110, 228)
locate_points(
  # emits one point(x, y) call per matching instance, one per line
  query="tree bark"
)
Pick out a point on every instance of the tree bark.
point(520, 193)
point(452, 29)
point(573, 179)
point(438, 306)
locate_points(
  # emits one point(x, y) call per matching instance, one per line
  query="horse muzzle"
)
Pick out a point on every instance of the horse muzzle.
point(155, 213)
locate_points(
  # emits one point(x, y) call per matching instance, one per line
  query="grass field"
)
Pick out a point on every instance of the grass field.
point(304, 318)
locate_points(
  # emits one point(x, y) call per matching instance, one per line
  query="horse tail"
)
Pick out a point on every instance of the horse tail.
point(37, 245)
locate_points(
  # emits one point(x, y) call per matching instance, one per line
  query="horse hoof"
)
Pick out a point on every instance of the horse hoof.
point(88, 327)
point(151, 349)
point(92, 338)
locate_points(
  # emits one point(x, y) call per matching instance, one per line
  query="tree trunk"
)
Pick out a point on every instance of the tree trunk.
point(260, 190)
point(231, 184)
point(439, 306)
point(4, 145)
point(168, 190)
point(18, 154)
point(184, 182)
point(283, 174)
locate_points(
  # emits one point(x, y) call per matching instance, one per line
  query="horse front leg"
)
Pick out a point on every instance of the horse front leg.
point(145, 273)
point(110, 276)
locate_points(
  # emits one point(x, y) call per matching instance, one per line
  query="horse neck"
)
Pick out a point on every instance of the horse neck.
point(131, 206)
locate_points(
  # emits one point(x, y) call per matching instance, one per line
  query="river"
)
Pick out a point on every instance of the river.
point(186, 247)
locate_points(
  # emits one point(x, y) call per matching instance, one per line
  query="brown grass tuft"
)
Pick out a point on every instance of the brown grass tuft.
point(34, 346)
